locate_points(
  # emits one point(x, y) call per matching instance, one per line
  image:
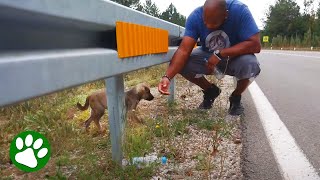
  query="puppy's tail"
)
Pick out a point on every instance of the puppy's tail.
point(85, 107)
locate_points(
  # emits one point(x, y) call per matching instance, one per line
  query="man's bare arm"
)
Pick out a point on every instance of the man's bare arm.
point(250, 46)
point(181, 56)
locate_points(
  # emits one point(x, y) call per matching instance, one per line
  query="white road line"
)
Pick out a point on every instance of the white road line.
point(293, 54)
point(292, 163)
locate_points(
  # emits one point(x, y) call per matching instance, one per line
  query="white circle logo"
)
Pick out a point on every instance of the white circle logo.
point(217, 40)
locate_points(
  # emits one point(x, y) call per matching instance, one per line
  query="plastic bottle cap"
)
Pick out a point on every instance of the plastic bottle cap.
point(163, 160)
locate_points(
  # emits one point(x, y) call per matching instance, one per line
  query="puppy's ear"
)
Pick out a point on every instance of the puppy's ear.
point(139, 89)
point(146, 89)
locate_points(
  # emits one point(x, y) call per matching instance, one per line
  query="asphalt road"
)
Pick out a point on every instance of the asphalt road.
point(291, 82)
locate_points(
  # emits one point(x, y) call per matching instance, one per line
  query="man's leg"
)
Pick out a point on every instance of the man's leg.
point(245, 68)
point(201, 82)
point(241, 86)
point(196, 66)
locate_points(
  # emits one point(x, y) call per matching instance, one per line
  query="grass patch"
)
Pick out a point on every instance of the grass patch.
point(150, 75)
point(79, 155)
point(137, 141)
point(7, 177)
point(179, 127)
point(203, 163)
point(75, 153)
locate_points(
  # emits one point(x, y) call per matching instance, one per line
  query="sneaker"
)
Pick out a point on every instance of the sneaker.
point(236, 107)
point(209, 96)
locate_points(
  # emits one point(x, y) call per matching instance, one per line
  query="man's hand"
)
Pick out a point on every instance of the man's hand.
point(212, 62)
point(177, 62)
point(163, 86)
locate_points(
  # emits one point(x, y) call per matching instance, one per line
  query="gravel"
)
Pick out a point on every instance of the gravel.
point(194, 154)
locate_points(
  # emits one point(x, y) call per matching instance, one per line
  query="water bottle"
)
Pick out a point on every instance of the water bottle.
point(216, 71)
point(145, 160)
point(149, 159)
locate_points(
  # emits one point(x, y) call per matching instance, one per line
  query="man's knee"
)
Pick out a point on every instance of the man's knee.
point(247, 59)
point(246, 67)
point(186, 71)
point(194, 65)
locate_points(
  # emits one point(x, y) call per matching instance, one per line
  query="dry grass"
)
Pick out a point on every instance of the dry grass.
point(80, 155)
point(75, 154)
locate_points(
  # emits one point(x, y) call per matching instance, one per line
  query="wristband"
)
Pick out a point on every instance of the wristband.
point(217, 54)
point(166, 76)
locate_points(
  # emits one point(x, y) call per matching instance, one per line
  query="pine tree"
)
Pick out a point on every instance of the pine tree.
point(151, 8)
point(171, 14)
point(292, 42)
point(307, 38)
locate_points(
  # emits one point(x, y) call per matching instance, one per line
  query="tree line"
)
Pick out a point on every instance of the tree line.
point(287, 25)
point(171, 14)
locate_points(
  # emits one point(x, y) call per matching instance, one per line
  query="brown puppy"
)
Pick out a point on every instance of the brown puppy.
point(98, 102)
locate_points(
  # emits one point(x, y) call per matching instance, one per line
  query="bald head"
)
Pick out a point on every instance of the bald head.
point(214, 14)
point(219, 5)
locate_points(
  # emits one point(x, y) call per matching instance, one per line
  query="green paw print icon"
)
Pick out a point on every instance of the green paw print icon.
point(30, 151)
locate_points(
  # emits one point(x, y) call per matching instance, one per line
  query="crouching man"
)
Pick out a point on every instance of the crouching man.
point(229, 38)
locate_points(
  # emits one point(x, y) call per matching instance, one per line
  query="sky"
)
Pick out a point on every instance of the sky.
point(258, 8)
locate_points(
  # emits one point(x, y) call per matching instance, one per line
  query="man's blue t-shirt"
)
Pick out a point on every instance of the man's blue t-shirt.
point(238, 27)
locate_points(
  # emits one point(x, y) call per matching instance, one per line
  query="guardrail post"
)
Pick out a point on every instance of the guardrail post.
point(117, 114)
point(172, 90)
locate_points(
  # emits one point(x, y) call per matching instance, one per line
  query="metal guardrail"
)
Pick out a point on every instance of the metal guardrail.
point(294, 48)
point(47, 46)
point(28, 74)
